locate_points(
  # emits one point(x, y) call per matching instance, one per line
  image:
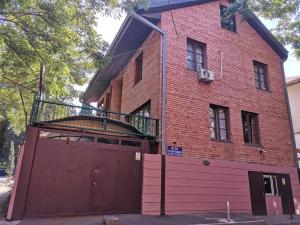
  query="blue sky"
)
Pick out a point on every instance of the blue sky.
point(108, 28)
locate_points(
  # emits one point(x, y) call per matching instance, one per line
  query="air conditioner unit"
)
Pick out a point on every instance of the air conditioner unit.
point(205, 75)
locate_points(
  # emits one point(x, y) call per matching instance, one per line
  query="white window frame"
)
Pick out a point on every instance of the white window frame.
point(273, 183)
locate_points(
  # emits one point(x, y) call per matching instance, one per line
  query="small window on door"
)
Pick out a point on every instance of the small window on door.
point(270, 182)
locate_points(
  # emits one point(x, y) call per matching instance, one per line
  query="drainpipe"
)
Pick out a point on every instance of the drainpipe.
point(289, 115)
point(163, 107)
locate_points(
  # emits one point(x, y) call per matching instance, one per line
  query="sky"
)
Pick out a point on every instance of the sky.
point(108, 28)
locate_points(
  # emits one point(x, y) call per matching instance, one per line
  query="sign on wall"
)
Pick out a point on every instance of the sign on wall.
point(174, 151)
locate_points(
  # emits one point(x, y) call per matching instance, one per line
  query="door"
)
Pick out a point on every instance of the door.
point(285, 191)
point(116, 182)
point(256, 184)
point(103, 181)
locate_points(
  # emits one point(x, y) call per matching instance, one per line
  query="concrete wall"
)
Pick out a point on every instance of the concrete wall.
point(294, 98)
point(188, 100)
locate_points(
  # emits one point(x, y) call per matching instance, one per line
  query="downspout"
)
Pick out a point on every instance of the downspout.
point(289, 115)
point(163, 107)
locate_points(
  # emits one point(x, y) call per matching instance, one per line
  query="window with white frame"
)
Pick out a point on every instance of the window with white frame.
point(271, 187)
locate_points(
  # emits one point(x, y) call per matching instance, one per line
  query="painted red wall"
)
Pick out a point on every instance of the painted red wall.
point(192, 187)
point(151, 184)
point(188, 100)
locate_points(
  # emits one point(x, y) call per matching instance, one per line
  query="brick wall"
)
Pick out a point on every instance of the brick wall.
point(135, 95)
point(188, 100)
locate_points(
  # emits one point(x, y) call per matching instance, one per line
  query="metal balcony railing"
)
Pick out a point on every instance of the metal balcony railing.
point(90, 118)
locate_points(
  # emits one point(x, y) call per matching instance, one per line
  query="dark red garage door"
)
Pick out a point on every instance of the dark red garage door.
point(79, 174)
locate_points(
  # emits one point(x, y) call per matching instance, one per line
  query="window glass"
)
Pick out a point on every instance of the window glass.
point(53, 135)
point(270, 183)
point(227, 21)
point(260, 75)
point(195, 55)
point(107, 140)
point(250, 128)
point(131, 143)
point(139, 120)
point(219, 122)
point(81, 138)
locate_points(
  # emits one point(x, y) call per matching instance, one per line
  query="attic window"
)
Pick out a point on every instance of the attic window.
point(138, 68)
point(227, 20)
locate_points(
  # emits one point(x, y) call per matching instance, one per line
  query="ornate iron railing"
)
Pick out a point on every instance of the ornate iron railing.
point(90, 118)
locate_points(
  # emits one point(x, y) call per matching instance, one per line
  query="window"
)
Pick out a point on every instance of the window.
point(195, 55)
point(271, 187)
point(138, 68)
point(250, 128)
point(219, 123)
point(137, 120)
point(260, 73)
point(227, 21)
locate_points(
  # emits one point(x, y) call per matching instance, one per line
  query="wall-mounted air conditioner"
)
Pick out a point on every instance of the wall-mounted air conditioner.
point(205, 75)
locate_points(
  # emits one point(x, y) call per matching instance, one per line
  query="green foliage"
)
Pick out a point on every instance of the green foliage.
point(284, 13)
point(55, 38)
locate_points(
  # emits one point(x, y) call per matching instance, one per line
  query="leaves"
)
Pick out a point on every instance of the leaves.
point(58, 35)
point(284, 13)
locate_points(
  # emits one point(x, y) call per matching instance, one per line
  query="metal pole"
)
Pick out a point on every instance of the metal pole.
point(228, 211)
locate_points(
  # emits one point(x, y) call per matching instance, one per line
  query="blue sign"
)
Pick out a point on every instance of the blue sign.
point(174, 151)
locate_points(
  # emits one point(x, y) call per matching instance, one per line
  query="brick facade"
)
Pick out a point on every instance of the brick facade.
point(188, 101)
point(187, 114)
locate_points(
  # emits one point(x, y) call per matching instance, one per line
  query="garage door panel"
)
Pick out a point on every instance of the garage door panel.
point(103, 180)
point(75, 191)
point(43, 195)
point(128, 182)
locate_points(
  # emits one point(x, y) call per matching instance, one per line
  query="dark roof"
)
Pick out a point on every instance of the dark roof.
point(130, 36)
point(133, 33)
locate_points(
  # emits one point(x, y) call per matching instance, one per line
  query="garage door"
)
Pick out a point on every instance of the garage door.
point(75, 174)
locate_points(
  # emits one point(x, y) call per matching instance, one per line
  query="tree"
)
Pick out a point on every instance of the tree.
point(285, 13)
point(53, 39)
point(11, 163)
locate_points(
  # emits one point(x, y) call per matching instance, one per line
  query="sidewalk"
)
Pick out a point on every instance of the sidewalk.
point(212, 219)
point(5, 190)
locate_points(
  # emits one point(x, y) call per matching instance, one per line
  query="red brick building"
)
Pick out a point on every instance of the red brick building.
point(192, 117)
point(234, 131)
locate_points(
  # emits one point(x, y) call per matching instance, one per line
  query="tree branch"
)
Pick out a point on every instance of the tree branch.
point(24, 109)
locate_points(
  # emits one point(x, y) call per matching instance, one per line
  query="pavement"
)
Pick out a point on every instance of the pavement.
point(5, 191)
point(201, 219)
point(134, 219)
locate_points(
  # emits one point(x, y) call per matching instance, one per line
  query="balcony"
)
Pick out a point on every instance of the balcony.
point(88, 119)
